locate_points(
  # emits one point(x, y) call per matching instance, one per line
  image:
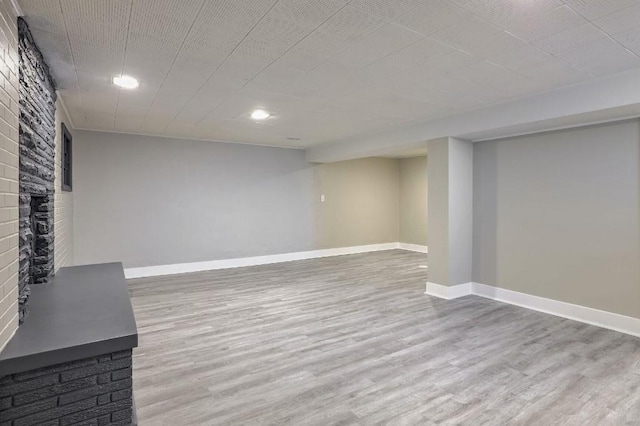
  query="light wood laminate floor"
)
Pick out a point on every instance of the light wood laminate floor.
point(353, 340)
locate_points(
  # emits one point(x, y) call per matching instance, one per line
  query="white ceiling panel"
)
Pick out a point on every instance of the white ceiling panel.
point(342, 31)
point(601, 57)
point(432, 16)
point(630, 39)
point(623, 20)
point(75, 107)
point(384, 8)
point(163, 25)
point(288, 22)
point(571, 38)
point(553, 72)
point(546, 24)
point(499, 78)
point(326, 69)
point(381, 43)
point(99, 45)
point(415, 61)
point(593, 9)
point(469, 34)
point(505, 12)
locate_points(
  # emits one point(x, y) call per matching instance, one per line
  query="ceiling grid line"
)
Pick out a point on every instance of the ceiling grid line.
point(497, 27)
point(336, 54)
point(75, 69)
point(172, 63)
point(124, 59)
point(279, 57)
point(608, 35)
point(227, 57)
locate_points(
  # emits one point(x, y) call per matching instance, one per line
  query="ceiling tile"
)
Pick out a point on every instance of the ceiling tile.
point(546, 24)
point(377, 45)
point(499, 78)
point(553, 72)
point(593, 9)
point(99, 45)
point(421, 57)
point(384, 8)
point(75, 107)
point(630, 39)
point(504, 12)
point(158, 29)
point(623, 20)
point(601, 57)
point(343, 30)
point(469, 34)
point(430, 17)
point(571, 38)
point(288, 22)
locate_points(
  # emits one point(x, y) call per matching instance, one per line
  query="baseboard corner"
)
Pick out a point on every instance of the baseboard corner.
point(448, 292)
point(413, 247)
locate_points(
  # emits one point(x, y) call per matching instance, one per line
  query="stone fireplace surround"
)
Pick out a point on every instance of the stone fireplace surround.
point(70, 361)
point(36, 171)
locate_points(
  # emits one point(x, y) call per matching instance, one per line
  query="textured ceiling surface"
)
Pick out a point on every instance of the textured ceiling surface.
point(325, 69)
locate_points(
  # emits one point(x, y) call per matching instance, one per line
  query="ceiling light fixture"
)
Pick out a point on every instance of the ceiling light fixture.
point(260, 114)
point(126, 82)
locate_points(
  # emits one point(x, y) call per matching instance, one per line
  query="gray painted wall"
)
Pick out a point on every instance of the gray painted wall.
point(460, 211)
point(450, 215)
point(152, 201)
point(155, 201)
point(556, 215)
point(413, 200)
point(438, 210)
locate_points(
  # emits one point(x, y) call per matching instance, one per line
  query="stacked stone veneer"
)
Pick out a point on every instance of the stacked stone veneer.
point(37, 157)
point(92, 391)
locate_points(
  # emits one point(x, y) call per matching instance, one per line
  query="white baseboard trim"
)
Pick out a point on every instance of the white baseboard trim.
point(413, 247)
point(448, 292)
point(604, 319)
point(182, 268)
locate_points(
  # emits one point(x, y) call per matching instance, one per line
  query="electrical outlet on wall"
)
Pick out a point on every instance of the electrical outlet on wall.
point(322, 198)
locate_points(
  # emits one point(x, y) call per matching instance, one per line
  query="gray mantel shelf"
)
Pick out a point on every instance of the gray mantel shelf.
point(83, 312)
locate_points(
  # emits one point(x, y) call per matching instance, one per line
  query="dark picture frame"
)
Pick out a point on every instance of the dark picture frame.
point(66, 159)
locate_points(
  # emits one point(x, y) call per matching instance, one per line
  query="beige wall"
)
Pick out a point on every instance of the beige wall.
point(63, 200)
point(557, 215)
point(413, 200)
point(362, 202)
point(9, 87)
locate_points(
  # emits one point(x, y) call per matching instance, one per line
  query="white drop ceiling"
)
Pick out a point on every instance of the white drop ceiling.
point(327, 70)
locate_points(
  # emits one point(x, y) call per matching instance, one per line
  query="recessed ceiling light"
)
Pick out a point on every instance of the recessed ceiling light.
point(126, 82)
point(260, 114)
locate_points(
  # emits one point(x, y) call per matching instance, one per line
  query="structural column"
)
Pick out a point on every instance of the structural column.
point(450, 216)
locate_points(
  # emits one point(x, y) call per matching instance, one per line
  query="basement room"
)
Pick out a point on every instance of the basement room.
point(320, 212)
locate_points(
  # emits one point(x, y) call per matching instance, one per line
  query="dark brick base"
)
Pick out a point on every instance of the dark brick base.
point(92, 391)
